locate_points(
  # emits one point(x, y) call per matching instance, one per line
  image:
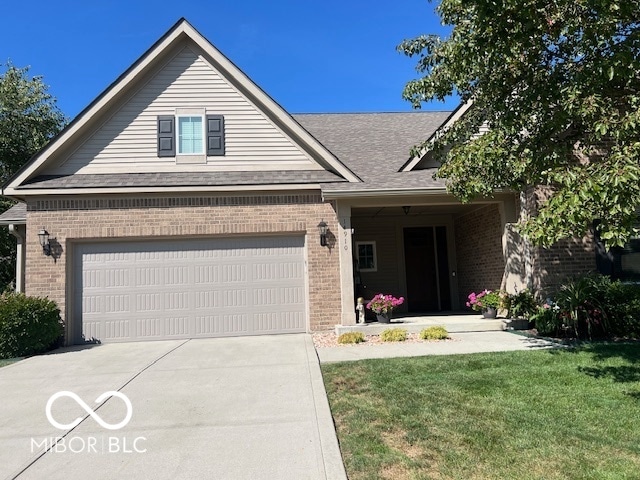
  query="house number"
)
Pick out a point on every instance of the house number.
point(345, 234)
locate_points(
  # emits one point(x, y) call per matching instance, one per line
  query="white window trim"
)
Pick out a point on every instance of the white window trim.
point(375, 255)
point(204, 135)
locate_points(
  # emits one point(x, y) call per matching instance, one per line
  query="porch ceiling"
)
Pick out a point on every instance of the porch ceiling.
point(415, 210)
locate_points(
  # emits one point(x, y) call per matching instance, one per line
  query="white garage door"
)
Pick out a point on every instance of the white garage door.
point(129, 291)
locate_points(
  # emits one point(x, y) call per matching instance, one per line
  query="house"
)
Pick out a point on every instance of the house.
point(185, 202)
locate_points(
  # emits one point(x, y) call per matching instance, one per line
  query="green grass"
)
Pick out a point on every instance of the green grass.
point(8, 361)
point(570, 414)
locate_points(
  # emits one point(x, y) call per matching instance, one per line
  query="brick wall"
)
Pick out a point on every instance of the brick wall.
point(479, 251)
point(67, 220)
point(567, 258)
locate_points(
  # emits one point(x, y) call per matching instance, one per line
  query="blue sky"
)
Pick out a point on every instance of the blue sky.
point(320, 56)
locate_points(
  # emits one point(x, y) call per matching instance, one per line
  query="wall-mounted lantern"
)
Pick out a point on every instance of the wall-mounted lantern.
point(323, 227)
point(43, 236)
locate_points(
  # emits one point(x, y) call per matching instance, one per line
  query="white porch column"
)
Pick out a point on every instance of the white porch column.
point(514, 277)
point(344, 246)
point(19, 231)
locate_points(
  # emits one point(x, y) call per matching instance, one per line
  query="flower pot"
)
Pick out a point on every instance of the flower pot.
point(384, 317)
point(489, 312)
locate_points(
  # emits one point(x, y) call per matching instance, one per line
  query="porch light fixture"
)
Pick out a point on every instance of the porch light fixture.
point(43, 236)
point(406, 210)
point(323, 227)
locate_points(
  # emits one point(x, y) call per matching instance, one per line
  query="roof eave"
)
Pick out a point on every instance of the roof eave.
point(23, 193)
point(381, 192)
point(410, 164)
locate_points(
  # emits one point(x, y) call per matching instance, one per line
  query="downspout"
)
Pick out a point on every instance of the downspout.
point(13, 229)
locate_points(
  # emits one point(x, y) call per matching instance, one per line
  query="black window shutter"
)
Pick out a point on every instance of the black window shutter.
point(166, 136)
point(215, 135)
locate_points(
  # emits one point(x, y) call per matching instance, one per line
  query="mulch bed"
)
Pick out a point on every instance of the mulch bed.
point(330, 339)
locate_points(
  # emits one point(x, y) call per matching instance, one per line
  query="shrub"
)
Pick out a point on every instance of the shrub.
point(434, 333)
point(394, 335)
point(351, 337)
point(580, 298)
point(521, 304)
point(621, 302)
point(28, 325)
point(548, 320)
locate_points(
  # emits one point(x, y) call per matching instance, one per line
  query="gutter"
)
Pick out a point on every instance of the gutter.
point(400, 192)
point(397, 192)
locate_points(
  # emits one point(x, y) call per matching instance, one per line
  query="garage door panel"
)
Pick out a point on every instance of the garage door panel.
point(191, 288)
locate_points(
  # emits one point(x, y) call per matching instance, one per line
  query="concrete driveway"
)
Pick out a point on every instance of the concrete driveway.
point(231, 408)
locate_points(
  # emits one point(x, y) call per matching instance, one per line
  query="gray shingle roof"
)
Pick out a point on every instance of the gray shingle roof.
point(16, 214)
point(372, 145)
point(180, 179)
point(375, 145)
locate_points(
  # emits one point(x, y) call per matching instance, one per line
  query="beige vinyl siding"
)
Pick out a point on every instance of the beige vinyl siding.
point(126, 141)
point(387, 277)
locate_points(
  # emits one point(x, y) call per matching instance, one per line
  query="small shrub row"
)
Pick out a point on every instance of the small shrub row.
point(434, 333)
point(28, 325)
point(351, 337)
point(393, 335)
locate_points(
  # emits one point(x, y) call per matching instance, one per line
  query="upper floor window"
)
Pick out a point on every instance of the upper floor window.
point(190, 135)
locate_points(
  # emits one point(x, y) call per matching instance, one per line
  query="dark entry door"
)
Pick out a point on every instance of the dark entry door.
point(427, 269)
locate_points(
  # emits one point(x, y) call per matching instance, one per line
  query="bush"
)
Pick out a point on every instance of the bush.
point(394, 335)
point(621, 302)
point(581, 300)
point(351, 337)
point(434, 333)
point(591, 306)
point(521, 304)
point(548, 321)
point(28, 325)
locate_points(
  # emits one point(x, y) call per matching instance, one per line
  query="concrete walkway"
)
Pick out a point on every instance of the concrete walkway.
point(472, 342)
point(230, 408)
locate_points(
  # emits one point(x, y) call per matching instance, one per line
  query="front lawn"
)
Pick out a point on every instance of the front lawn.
point(8, 361)
point(558, 414)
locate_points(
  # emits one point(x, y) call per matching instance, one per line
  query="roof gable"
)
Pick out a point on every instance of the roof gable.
point(111, 129)
point(423, 159)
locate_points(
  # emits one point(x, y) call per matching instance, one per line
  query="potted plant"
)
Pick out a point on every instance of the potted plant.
point(487, 302)
point(520, 307)
point(383, 305)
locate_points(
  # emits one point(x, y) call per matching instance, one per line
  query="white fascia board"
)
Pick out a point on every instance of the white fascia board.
point(14, 221)
point(22, 193)
point(374, 193)
point(450, 121)
point(396, 192)
point(101, 103)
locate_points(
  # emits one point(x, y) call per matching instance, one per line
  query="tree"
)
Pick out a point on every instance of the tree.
point(29, 118)
point(557, 83)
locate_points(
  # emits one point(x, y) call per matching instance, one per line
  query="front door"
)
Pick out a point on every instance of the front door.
point(427, 269)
